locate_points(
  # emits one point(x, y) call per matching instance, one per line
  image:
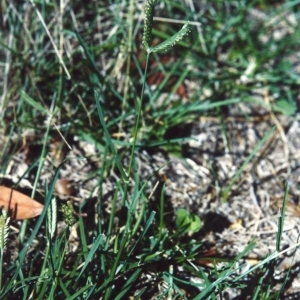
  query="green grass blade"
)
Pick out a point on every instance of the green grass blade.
point(287, 276)
point(90, 58)
point(226, 191)
point(281, 218)
point(161, 211)
point(148, 224)
point(128, 286)
point(95, 247)
point(81, 292)
point(226, 274)
point(33, 103)
point(108, 138)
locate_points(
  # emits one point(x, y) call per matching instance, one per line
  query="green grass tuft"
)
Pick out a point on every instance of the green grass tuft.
point(77, 76)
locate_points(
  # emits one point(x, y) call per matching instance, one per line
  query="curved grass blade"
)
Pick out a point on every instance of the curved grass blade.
point(108, 138)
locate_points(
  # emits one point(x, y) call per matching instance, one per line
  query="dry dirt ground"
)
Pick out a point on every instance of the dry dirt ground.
point(197, 180)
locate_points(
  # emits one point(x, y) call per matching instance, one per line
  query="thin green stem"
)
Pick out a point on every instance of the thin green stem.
point(137, 121)
point(135, 135)
point(114, 267)
point(61, 260)
point(136, 130)
point(46, 257)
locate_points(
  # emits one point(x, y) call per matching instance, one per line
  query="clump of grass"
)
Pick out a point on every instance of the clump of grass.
point(114, 260)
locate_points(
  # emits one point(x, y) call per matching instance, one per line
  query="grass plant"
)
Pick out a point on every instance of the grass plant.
point(81, 73)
